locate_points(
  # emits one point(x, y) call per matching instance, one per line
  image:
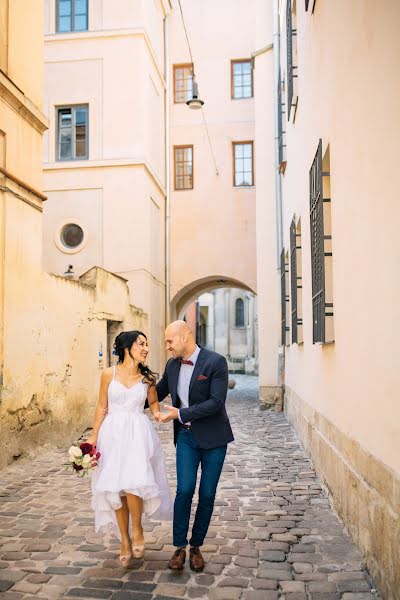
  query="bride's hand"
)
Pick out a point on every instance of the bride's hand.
point(91, 440)
point(158, 417)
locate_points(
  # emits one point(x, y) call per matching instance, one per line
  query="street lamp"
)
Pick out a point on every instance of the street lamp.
point(69, 273)
point(195, 101)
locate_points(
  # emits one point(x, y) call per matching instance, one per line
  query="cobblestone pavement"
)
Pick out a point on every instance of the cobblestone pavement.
point(273, 534)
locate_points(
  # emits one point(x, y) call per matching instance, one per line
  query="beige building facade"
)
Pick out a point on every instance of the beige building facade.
point(331, 252)
point(55, 333)
point(213, 176)
point(104, 153)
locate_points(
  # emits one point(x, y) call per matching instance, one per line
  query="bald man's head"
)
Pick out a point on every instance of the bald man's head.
point(179, 339)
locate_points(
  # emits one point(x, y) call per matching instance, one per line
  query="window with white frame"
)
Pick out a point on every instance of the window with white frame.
point(72, 15)
point(243, 164)
point(72, 133)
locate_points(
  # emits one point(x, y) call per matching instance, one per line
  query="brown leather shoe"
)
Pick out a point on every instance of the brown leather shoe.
point(177, 560)
point(196, 559)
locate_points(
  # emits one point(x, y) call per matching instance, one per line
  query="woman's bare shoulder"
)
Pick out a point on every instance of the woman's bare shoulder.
point(107, 374)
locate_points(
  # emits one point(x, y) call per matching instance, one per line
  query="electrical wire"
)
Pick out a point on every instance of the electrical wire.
point(202, 110)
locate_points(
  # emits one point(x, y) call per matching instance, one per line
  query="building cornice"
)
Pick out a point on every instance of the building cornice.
point(17, 100)
point(102, 164)
point(57, 38)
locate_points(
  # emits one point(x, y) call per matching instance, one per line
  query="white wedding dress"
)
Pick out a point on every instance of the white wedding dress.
point(131, 461)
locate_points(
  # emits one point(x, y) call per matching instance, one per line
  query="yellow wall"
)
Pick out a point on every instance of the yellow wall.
point(51, 328)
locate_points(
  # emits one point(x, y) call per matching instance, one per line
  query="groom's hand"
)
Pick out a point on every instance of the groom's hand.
point(172, 414)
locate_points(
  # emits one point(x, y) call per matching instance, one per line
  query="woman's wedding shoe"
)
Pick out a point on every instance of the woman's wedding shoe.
point(138, 551)
point(125, 560)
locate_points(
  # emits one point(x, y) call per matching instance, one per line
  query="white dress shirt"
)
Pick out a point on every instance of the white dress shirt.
point(185, 375)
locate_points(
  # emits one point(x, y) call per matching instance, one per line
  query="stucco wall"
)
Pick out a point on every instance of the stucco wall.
point(342, 396)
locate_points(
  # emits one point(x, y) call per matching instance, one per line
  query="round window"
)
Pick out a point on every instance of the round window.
point(72, 235)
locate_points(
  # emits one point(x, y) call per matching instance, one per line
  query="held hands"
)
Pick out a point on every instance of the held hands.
point(169, 416)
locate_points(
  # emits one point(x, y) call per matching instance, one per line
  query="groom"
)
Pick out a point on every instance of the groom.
point(197, 380)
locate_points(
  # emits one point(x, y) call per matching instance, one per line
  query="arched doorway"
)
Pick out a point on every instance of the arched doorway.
point(222, 312)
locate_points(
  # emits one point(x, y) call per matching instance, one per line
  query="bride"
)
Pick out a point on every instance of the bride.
point(130, 478)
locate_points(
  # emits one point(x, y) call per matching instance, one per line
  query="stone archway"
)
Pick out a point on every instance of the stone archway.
point(190, 292)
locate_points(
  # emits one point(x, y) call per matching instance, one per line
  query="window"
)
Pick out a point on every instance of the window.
point(296, 282)
point(72, 133)
point(241, 79)
point(183, 83)
point(243, 164)
point(183, 167)
point(321, 248)
point(284, 298)
point(72, 15)
point(239, 312)
point(308, 3)
point(291, 56)
point(281, 130)
point(72, 235)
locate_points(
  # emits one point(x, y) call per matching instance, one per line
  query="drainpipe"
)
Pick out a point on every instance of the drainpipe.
point(277, 83)
point(278, 182)
point(167, 175)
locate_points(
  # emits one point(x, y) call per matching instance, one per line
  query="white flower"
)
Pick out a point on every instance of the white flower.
point(71, 458)
point(75, 451)
point(86, 460)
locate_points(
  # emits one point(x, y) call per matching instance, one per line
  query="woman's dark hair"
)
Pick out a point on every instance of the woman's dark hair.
point(125, 340)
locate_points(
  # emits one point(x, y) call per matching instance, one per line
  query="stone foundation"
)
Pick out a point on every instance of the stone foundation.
point(364, 491)
point(270, 395)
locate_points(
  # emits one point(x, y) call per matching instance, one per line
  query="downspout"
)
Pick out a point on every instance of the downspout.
point(278, 180)
point(278, 184)
point(167, 175)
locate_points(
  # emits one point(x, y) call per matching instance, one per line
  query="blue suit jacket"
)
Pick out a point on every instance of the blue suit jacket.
point(207, 395)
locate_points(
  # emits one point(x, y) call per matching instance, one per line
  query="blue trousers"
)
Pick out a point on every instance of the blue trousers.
point(188, 458)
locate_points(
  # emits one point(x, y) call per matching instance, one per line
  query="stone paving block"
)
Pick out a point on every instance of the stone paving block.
point(168, 589)
point(279, 574)
point(250, 552)
point(63, 570)
point(204, 579)
point(292, 586)
point(295, 596)
point(272, 555)
point(5, 585)
point(107, 584)
point(213, 569)
point(217, 593)
point(197, 592)
point(264, 584)
point(38, 578)
point(11, 575)
point(324, 596)
point(17, 555)
point(27, 588)
point(179, 577)
point(322, 586)
point(89, 593)
point(37, 547)
point(233, 582)
point(346, 576)
point(245, 561)
point(355, 596)
point(353, 586)
point(260, 595)
point(274, 565)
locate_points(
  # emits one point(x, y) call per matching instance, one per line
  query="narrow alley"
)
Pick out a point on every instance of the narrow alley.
point(273, 533)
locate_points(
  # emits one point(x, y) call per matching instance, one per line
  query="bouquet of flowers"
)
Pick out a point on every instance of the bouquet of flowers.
point(83, 458)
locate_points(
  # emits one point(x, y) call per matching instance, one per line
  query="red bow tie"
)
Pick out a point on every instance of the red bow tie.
point(185, 362)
